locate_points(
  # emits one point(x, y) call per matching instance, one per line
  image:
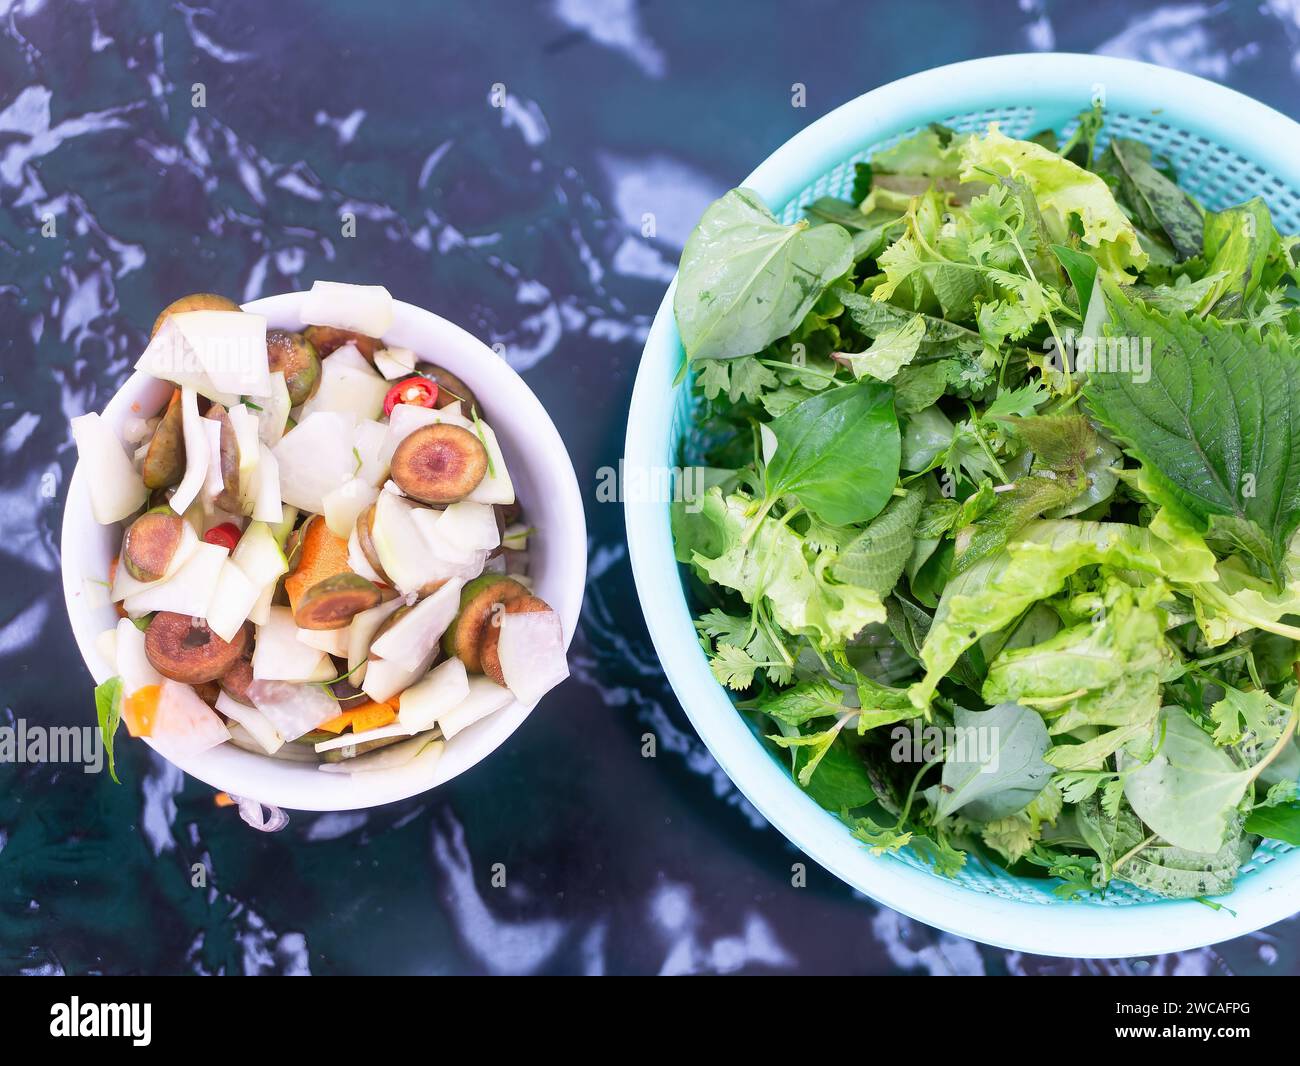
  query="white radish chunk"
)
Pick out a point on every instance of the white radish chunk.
point(315, 457)
point(496, 486)
point(259, 555)
point(189, 590)
point(330, 641)
point(348, 388)
point(230, 346)
point(469, 526)
point(446, 685)
point(133, 665)
point(293, 709)
point(267, 505)
point(197, 452)
point(106, 645)
point(184, 725)
point(169, 357)
point(531, 650)
point(403, 551)
point(232, 602)
point(279, 655)
point(262, 608)
point(364, 309)
point(395, 363)
point(342, 506)
point(370, 438)
point(361, 631)
point(385, 679)
point(257, 725)
point(116, 489)
point(411, 639)
point(485, 697)
point(446, 558)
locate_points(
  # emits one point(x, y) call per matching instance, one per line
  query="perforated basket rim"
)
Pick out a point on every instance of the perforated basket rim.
point(1057, 84)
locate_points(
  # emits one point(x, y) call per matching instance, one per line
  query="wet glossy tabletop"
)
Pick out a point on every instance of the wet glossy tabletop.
point(525, 223)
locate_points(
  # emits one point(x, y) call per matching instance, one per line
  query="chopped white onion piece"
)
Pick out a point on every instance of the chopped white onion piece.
point(184, 725)
point(232, 602)
point(348, 388)
point(365, 309)
point(315, 457)
point(330, 641)
point(410, 640)
point(230, 346)
point(496, 486)
point(279, 655)
point(342, 505)
point(274, 413)
point(267, 505)
point(446, 685)
point(133, 665)
point(531, 650)
point(115, 486)
point(395, 363)
point(257, 724)
point(485, 697)
point(197, 456)
point(351, 740)
point(293, 709)
point(361, 632)
point(188, 591)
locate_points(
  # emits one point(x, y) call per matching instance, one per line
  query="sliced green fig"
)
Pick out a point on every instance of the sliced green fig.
point(184, 650)
point(198, 301)
point(480, 599)
point(150, 543)
point(450, 389)
point(164, 459)
point(351, 751)
point(488, 655)
point(439, 463)
point(330, 604)
point(295, 356)
point(235, 681)
point(365, 541)
point(228, 498)
point(326, 338)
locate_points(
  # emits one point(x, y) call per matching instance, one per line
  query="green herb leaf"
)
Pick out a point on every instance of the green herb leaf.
point(746, 280)
point(998, 768)
point(1215, 425)
point(108, 709)
point(838, 453)
point(1276, 823)
point(1158, 204)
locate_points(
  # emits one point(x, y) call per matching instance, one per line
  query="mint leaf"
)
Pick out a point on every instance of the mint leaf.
point(108, 709)
point(1215, 425)
point(746, 280)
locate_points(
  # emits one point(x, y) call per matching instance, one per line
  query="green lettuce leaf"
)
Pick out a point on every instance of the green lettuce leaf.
point(746, 280)
point(1063, 192)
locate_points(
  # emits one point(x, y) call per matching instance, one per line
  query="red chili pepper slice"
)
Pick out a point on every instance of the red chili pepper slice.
point(226, 534)
point(418, 391)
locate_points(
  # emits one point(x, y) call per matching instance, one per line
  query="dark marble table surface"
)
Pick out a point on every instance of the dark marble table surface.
point(524, 223)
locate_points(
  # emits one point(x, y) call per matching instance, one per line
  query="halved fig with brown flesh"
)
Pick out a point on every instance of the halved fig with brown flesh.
point(439, 464)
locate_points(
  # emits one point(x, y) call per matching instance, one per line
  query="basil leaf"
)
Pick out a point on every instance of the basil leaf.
point(108, 709)
point(999, 768)
point(746, 280)
point(838, 453)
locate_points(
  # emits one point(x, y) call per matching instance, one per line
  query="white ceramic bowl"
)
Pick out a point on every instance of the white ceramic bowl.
point(546, 486)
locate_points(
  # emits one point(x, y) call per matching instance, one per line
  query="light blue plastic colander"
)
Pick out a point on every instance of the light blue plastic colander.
point(1227, 148)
